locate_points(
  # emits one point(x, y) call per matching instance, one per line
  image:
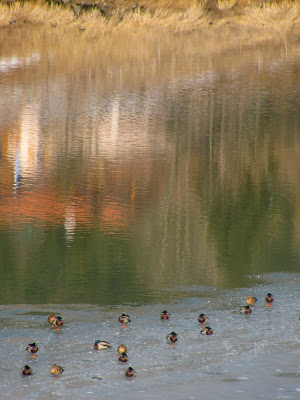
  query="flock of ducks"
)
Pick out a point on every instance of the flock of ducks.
point(56, 321)
point(251, 300)
point(32, 348)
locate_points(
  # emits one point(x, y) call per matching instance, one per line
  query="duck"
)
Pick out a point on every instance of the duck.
point(206, 331)
point(245, 310)
point(172, 337)
point(32, 348)
point(122, 349)
point(26, 370)
point(124, 319)
point(269, 299)
point(251, 300)
point(202, 319)
point(123, 357)
point(51, 318)
point(130, 372)
point(101, 345)
point(58, 321)
point(164, 315)
point(56, 370)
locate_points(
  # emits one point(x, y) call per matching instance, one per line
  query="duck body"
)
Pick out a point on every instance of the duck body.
point(51, 319)
point(32, 348)
point(26, 370)
point(245, 310)
point(202, 319)
point(251, 300)
point(122, 349)
point(124, 319)
point(56, 370)
point(172, 337)
point(58, 321)
point(123, 357)
point(206, 331)
point(101, 345)
point(130, 372)
point(164, 315)
point(269, 299)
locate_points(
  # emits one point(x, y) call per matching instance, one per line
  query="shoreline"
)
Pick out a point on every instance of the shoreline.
point(249, 23)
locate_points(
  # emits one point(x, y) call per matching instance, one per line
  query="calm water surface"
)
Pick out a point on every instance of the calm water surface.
point(142, 174)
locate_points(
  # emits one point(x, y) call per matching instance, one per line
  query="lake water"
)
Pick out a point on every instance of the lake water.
point(139, 174)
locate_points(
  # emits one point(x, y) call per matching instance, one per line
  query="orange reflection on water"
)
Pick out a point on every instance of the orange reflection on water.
point(42, 208)
point(115, 217)
point(30, 194)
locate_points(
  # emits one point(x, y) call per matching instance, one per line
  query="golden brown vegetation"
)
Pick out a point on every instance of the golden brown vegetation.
point(255, 19)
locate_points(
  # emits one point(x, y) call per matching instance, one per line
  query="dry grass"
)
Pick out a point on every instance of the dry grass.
point(35, 13)
point(242, 16)
point(281, 17)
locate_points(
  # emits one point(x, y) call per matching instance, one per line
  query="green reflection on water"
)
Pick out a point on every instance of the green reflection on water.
point(252, 232)
point(170, 188)
point(248, 237)
point(91, 270)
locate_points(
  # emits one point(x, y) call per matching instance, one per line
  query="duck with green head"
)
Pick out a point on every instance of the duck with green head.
point(245, 310)
point(172, 338)
point(26, 370)
point(123, 357)
point(124, 319)
point(202, 319)
point(164, 315)
point(206, 331)
point(101, 345)
point(32, 349)
point(269, 300)
point(130, 372)
point(58, 322)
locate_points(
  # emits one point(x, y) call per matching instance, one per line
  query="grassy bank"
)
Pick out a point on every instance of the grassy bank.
point(255, 20)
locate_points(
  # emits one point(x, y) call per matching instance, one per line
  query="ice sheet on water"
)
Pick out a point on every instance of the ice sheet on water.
point(242, 350)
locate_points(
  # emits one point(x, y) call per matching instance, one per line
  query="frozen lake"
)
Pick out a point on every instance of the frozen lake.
point(247, 356)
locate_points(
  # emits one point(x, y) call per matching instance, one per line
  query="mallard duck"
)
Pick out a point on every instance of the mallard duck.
point(56, 370)
point(269, 299)
point(206, 331)
point(124, 319)
point(123, 357)
point(164, 315)
point(26, 370)
point(101, 345)
point(51, 318)
point(32, 348)
point(172, 337)
point(122, 349)
point(130, 372)
point(202, 319)
point(251, 300)
point(245, 310)
point(58, 321)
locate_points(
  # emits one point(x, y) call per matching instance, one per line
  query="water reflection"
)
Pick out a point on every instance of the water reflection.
point(174, 172)
point(7, 64)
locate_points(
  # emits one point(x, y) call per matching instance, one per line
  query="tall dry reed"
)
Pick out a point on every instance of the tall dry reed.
point(233, 17)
